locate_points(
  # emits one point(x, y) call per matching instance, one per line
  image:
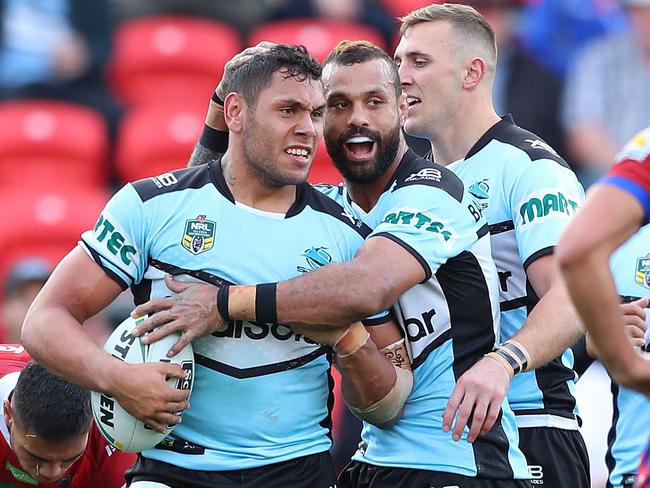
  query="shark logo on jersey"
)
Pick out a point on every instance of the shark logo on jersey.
point(316, 257)
point(643, 271)
point(537, 144)
point(199, 235)
point(479, 190)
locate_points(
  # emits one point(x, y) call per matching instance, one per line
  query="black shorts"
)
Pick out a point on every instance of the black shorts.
point(557, 458)
point(314, 471)
point(363, 475)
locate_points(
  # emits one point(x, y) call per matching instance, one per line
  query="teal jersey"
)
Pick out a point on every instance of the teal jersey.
point(262, 394)
point(630, 430)
point(450, 321)
point(528, 195)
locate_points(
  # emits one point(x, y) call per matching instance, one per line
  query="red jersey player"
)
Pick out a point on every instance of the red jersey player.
point(47, 436)
point(615, 209)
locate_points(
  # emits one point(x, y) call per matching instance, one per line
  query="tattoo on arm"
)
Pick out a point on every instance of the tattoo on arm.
point(202, 155)
point(398, 355)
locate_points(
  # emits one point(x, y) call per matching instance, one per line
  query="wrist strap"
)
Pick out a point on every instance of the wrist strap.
point(502, 361)
point(215, 98)
point(213, 139)
point(266, 310)
point(353, 339)
point(519, 352)
point(223, 296)
point(512, 356)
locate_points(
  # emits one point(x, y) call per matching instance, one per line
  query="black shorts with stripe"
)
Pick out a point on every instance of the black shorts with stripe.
point(363, 475)
point(557, 458)
point(314, 471)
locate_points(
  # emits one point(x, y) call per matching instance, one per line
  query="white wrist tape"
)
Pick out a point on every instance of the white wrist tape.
point(388, 409)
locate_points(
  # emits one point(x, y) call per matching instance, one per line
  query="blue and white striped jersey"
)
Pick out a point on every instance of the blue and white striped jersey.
point(261, 393)
point(450, 321)
point(528, 194)
point(630, 430)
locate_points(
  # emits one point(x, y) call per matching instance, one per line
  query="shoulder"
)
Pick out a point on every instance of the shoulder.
point(419, 172)
point(173, 181)
point(633, 162)
point(525, 146)
point(320, 202)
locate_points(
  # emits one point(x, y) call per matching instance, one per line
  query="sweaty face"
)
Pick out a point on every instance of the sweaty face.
point(282, 131)
point(363, 120)
point(42, 460)
point(430, 76)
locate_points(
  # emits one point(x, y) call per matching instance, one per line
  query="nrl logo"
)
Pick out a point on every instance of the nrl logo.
point(642, 276)
point(199, 235)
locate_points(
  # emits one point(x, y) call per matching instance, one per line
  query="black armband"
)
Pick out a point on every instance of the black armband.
point(223, 295)
point(266, 310)
point(213, 139)
point(215, 98)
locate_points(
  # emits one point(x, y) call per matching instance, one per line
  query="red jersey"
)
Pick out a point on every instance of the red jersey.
point(101, 466)
point(632, 172)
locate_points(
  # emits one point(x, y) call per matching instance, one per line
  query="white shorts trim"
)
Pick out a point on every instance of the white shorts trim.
point(554, 421)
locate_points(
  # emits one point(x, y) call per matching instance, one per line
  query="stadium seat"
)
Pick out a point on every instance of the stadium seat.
point(163, 58)
point(48, 143)
point(323, 169)
point(47, 224)
point(154, 139)
point(399, 8)
point(318, 36)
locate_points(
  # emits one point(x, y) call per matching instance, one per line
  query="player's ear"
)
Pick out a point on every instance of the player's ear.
point(474, 72)
point(234, 108)
point(8, 413)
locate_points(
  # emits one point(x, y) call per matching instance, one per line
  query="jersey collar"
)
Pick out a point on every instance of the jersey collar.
point(303, 190)
point(492, 133)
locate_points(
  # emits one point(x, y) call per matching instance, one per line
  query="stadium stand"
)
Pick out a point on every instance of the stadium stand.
point(50, 144)
point(162, 58)
point(154, 139)
point(318, 36)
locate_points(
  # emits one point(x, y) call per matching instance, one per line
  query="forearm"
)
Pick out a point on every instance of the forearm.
point(367, 376)
point(376, 383)
point(58, 341)
point(551, 327)
point(338, 294)
point(596, 300)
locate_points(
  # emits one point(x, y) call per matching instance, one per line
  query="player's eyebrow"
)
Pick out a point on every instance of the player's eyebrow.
point(371, 92)
point(295, 103)
point(39, 458)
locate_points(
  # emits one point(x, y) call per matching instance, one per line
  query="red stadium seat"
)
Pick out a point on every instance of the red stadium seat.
point(170, 57)
point(400, 8)
point(51, 143)
point(154, 139)
point(323, 169)
point(46, 224)
point(318, 36)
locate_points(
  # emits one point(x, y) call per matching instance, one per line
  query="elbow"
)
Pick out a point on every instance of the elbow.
point(29, 333)
point(570, 254)
point(375, 295)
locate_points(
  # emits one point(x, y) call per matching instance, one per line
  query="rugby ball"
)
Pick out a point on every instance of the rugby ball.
point(122, 430)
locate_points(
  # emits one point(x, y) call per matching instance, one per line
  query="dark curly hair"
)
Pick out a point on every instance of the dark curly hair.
point(50, 406)
point(347, 53)
point(291, 61)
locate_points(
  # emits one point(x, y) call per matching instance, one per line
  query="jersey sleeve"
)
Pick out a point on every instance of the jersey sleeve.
point(110, 463)
point(429, 223)
point(117, 242)
point(632, 172)
point(545, 195)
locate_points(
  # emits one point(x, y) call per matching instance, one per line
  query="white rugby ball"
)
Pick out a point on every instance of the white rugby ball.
point(122, 430)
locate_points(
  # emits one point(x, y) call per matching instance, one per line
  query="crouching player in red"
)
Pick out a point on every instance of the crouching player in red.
point(47, 435)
